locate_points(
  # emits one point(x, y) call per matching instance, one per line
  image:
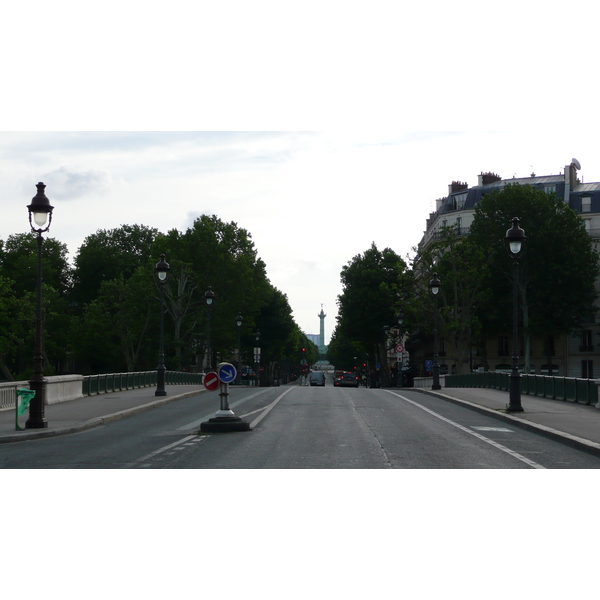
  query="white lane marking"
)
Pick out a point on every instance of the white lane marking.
point(197, 422)
point(159, 451)
point(269, 408)
point(514, 454)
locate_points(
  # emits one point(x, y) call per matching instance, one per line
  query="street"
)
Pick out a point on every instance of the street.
point(301, 427)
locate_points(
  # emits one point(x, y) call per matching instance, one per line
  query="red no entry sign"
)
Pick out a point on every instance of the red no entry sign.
point(211, 381)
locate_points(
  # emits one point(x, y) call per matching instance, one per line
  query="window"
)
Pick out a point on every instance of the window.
point(503, 346)
point(586, 204)
point(587, 369)
point(460, 201)
point(550, 189)
point(586, 341)
point(442, 345)
point(549, 346)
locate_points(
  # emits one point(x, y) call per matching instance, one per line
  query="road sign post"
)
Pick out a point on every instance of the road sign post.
point(225, 419)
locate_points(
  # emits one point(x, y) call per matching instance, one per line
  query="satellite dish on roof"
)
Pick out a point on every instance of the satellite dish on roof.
point(576, 164)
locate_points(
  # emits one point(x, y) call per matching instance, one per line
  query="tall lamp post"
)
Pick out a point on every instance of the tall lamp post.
point(385, 363)
point(515, 239)
point(257, 357)
point(399, 378)
point(434, 286)
point(41, 212)
point(209, 298)
point(238, 321)
point(162, 273)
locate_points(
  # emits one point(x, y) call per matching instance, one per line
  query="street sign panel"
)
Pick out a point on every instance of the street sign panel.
point(226, 372)
point(211, 381)
point(399, 348)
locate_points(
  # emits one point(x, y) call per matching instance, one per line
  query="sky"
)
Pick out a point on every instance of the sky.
point(311, 201)
point(318, 130)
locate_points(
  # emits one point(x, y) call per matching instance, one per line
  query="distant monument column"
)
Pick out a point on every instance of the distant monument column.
point(322, 349)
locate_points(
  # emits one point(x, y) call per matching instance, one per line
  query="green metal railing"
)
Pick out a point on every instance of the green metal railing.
point(115, 382)
point(567, 389)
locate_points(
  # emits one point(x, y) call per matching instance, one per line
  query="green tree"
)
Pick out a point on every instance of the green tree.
point(373, 284)
point(557, 273)
point(221, 255)
point(113, 331)
point(110, 254)
point(16, 319)
point(458, 264)
point(19, 263)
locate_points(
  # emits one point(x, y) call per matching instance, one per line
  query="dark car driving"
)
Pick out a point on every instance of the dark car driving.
point(347, 380)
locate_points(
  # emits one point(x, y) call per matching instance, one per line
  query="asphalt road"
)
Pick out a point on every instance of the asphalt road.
point(299, 427)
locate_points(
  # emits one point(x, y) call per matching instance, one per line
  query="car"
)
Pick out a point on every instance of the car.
point(317, 378)
point(348, 380)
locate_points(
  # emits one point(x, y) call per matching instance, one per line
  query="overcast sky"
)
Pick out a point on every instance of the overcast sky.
point(311, 201)
point(353, 121)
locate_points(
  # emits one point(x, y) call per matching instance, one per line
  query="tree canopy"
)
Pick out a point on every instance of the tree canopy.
point(557, 272)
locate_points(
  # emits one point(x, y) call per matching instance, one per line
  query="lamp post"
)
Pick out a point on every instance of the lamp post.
point(209, 298)
point(434, 286)
point(385, 363)
point(41, 212)
point(257, 357)
point(515, 239)
point(238, 321)
point(162, 273)
point(399, 377)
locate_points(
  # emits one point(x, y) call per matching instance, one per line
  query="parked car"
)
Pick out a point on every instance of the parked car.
point(348, 380)
point(317, 378)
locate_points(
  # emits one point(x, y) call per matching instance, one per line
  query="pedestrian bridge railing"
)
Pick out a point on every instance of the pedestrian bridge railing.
point(115, 382)
point(567, 389)
point(62, 388)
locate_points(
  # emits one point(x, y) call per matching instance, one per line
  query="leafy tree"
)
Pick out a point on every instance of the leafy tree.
point(458, 264)
point(557, 273)
point(110, 254)
point(115, 325)
point(373, 284)
point(19, 263)
point(16, 318)
point(220, 255)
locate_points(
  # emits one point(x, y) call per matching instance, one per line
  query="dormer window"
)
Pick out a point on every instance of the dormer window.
point(586, 204)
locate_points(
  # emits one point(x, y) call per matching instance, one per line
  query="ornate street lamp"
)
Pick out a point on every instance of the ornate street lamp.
point(40, 212)
point(515, 240)
point(162, 273)
point(238, 321)
point(385, 363)
point(434, 286)
point(257, 357)
point(399, 365)
point(209, 298)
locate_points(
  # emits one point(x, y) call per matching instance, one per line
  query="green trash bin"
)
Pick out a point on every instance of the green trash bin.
point(23, 399)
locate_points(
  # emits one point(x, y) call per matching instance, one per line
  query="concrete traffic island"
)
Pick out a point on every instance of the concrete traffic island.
point(224, 425)
point(225, 420)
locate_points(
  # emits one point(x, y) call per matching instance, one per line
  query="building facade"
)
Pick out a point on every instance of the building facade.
point(577, 355)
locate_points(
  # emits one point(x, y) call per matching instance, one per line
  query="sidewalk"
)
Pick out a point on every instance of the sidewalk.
point(91, 411)
point(576, 425)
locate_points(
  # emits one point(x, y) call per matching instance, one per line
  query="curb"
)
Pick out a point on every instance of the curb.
point(95, 422)
point(554, 434)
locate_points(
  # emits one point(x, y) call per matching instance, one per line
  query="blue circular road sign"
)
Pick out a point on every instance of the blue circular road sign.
point(226, 372)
